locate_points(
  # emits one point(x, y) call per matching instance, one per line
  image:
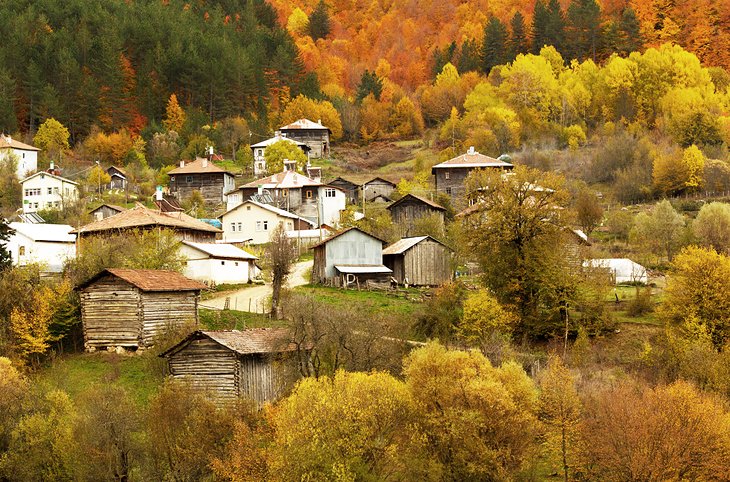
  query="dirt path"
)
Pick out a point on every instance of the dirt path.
point(255, 298)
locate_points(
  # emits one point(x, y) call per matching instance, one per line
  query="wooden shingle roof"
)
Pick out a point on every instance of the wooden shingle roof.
point(253, 341)
point(141, 216)
point(417, 198)
point(198, 166)
point(149, 279)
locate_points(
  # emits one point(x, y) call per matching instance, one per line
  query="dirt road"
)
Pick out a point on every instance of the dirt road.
point(255, 298)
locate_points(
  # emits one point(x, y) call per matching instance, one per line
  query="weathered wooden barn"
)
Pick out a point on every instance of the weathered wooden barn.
point(450, 176)
point(251, 364)
point(419, 261)
point(408, 209)
point(352, 190)
point(129, 307)
point(378, 188)
point(106, 210)
point(351, 256)
point(201, 175)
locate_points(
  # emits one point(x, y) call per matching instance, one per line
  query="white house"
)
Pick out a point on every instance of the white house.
point(622, 270)
point(44, 190)
point(258, 149)
point(26, 155)
point(50, 245)
point(218, 263)
point(252, 222)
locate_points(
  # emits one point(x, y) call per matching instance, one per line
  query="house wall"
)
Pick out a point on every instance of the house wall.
point(454, 185)
point(52, 255)
point(27, 161)
point(163, 310)
point(252, 222)
point(427, 264)
point(260, 380)
point(209, 367)
point(103, 212)
point(202, 267)
point(332, 203)
point(61, 193)
point(377, 188)
point(212, 186)
point(110, 314)
point(318, 140)
point(353, 247)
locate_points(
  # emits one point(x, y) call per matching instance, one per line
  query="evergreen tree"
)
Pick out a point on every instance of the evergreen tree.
point(442, 57)
point(539, 27)
point(5, 259)
point(8, 121)
point(584, 28)
point(555, 26)
point(494, 49)
point(370, 83)
point(468, 59)
point(518, 43)
point(629, 30)
point(319, 21)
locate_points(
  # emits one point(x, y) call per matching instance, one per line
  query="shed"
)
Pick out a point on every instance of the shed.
point(118, 177)
point(130, 307)
point(218, 263)
point(622, 270)
point(406, 210)
point(352, 190)
point(106, 210)
point(349, 256)
point(230, 364)
point(378, 188)
point(422, 260)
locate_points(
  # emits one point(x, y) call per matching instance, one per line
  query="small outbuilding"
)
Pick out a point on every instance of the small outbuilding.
point(419, 261)
point(351, 256)
point(129, 307)
point(118, 178)
point(250, 364)
point(216, 263)
point(106, 210)
point(621, 270)
point(378, 189)
point(49, 245)
point(406, 210)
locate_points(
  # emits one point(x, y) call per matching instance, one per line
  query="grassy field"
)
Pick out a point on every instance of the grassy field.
point(403, 305)
point(234, 320)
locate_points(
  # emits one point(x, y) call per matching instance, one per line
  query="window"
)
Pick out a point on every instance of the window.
point(56, 204)
point(35, 205)
point(240, 227)
point(172, 178)
point(33, 192)
point(235, 263)
point(448, 191)
point(49, 204)
point(258, 225)
point(223, 263)
point(233, 226)
point(50, 190)
point(55, 190)
point(24, 155)
point(309, 194)
point(189, 179)
point(329, 192)
point(248, 208)
point(21, 251)
point(266, 225)
point(260, 152)
point(284, 192)
point(447, 175)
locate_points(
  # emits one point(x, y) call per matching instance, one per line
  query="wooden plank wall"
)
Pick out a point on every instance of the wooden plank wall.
point(208, 366)
point(427, 264)
point(110, 313)
point(258, 379)
point(165, 310)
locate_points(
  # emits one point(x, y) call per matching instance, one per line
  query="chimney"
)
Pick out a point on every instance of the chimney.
point(471, 151)
point(277, 134)
point(319, 121)
point(51, 167)
point(9, 139)
point(158, 193)
point(182, 163)
point(290, 165)
point(260, 189)
point(205, 162)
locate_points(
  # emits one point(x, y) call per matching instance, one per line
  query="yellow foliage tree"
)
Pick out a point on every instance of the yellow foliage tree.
point(406, 119)
point(484, 317)
point(174, 115)
point(303, 107)
point(97, 178)
point(298, 22)
point(672, 175)
point(52, 137)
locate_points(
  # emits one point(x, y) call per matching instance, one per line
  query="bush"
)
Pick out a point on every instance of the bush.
point(642, 304)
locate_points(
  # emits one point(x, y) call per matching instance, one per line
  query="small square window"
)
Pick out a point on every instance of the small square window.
point(235, 263)
point(189, 179)
point(447, 175)
point(21, 251)
point(448, 191)
point(309, 194)
point(223, 263)
point(248, 208)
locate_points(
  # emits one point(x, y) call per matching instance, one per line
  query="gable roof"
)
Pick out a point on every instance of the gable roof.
point(276, 139)
point(119, 171)
point(302, 124)
point(323, 242)
point(113, 207)
point(404, 244)
point(270, 208)
point(220, 251)
point(57, 233)
point(342, 180)
point(417, 198)
point(283, 180)
point(44, 173)
point(196, 167)
point(140, 216)
point(471, 159)
point(149, 279)
point(244, 342)
point(7, 142)
point(379, 179)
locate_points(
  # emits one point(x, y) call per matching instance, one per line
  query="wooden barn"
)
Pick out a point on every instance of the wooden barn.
point(378, 189)
point(406, 210)
point(129, 307)
point(106, 210)
point(419, 261)
point(250, 364)
point(351, 256)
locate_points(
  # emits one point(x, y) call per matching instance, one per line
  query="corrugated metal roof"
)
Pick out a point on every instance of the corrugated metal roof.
point(362, 268)
point(346, 231)
point(403, 245)
point(196, 167)
point(216, 250)
point(150, 279)
point(244, 342)
point(57, 233)
point(44, 173)
point(141, 216)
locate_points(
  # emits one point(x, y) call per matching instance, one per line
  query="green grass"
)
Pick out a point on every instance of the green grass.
point(229, 165)
point(645, 319)
point(77, 373)
point(223, 288)
point(234, 320)
point(373, 301)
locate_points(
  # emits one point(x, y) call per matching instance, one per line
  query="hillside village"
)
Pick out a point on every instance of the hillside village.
point(441, 241)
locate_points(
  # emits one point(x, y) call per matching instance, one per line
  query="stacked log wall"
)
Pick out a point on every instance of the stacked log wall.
point(165, 310)
point(208, 366)
point(111, 314)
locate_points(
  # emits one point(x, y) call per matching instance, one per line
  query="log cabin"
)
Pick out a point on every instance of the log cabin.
point(419, 261)
point(313, 134)
point(249, 364)
point(128, 308)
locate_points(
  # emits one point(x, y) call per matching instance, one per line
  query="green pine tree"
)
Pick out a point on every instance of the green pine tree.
point(583, 29)
point(370, 83)
point(319, 21)
point(5, 259)
point(555, 26)
point(442, 57)
point(539, 27)
point(468, 59)
point(629, 28)
point(518, 43)
point(494, 49)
